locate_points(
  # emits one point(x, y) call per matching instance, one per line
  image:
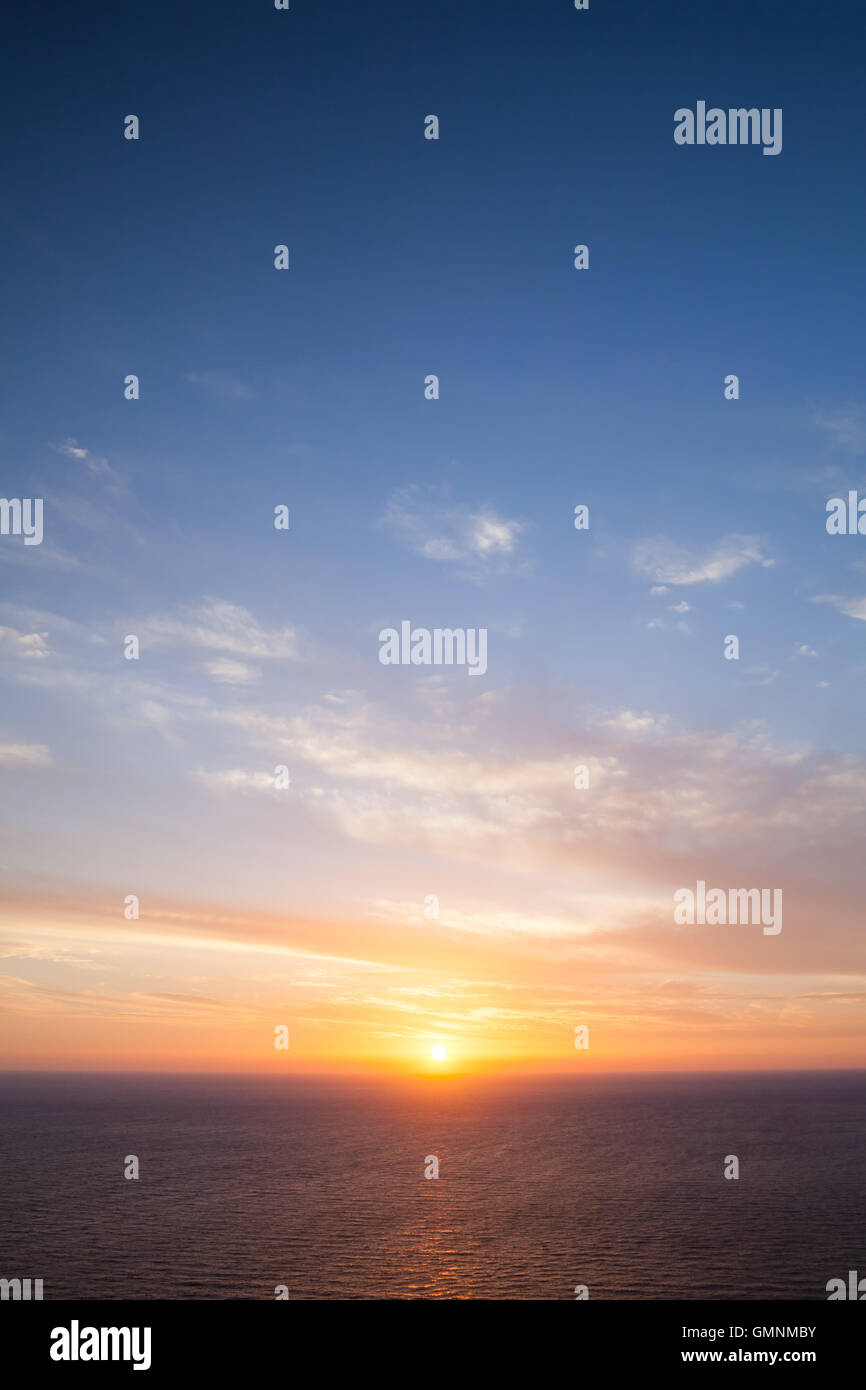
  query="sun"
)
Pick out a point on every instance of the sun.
point(438, 1053)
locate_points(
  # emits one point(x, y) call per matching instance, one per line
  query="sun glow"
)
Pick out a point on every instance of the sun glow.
point(438, 1053)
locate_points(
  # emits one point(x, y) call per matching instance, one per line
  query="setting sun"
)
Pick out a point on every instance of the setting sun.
point(438, 1053)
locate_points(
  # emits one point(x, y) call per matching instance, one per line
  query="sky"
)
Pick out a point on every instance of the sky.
point(311, 906)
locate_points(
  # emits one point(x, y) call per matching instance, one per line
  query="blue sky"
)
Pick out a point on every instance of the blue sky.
point(305, 387)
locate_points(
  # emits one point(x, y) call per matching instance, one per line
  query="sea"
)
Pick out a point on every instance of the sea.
point(317, 1188)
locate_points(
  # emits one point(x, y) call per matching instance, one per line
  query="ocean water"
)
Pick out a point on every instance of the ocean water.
point(616, 1183)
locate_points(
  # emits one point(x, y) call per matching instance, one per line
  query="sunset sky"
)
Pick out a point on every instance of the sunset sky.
point(305, 907)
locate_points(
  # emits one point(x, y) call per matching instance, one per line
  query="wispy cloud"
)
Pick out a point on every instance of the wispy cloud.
point(847, 427)
point(665, 562)
point(222, 384)
point(43, 557)
point(94, 464)
point(23, 644)
point(851, 607)
point(475, 538)
point(24, 754)
point(220, 626)
point(235, 779)
point(225, 671)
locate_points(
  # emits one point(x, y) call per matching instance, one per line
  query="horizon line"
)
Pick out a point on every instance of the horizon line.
point(392, 1075)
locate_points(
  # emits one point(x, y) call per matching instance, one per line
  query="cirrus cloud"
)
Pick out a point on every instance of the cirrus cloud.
point(665, 562)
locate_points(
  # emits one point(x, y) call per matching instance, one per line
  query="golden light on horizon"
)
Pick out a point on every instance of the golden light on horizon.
point(438, 1053)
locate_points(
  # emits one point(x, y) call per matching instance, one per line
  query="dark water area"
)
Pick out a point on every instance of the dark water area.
point(318, 1184)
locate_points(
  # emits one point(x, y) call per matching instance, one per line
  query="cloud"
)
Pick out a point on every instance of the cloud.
point(222, 384)
point(630, 723)
point(762, 675)
point(496, 921)
point(24, 754)
point(665, 562)
point(489, 535)
point(476, 538)
point(217, 625)
point(100, 519)
point(71, 450)
point(42, 617)
point(23, 644)
point(846, 427)
point(45, 556)
point(96, 465)
point(227, 672)
point(851, 607)
point(236, 779)
point(661, 789)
